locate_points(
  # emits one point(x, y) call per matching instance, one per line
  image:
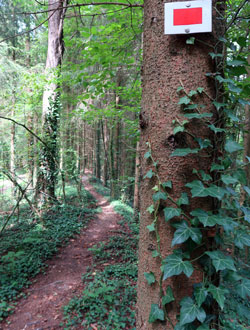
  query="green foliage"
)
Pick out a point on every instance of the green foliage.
point(26, 246)
point(109, 295)
point(156, 314)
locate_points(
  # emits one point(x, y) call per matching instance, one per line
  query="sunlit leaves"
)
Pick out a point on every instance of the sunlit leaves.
point(232, 146)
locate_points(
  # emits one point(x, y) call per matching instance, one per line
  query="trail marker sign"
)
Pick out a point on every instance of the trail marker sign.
point(188, 17)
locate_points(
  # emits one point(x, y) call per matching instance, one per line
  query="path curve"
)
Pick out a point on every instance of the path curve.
point(41, 310)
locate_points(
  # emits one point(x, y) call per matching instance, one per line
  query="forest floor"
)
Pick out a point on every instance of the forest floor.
point(42, 307)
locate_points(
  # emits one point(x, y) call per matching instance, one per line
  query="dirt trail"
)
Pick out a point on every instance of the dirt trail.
point(42, 308)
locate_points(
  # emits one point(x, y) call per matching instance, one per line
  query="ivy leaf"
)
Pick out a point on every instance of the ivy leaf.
point(236, 63)
point(233, 88)
point(150, 277)
point(147, 155)
point(232, 146)
point(208, 221)
point(217, 167)
point(228, 179)
point(167, 184)
point(247, 190)
point(149, 174)
point(204, 143)
point(246, 212)
point(205, 176)
point(215, 191)
point(183, 200)
point(150, 209)
point(216, 129)
point(197, 115)
point(184, 232)
point(184, 100)
point(243, 288)
point(241, 239)
point(190, 311)
point(155, 254)
point(200, 293)
point(171, 212)
point(221, 261)
point(203, 327)
point(219, 105)
point(159, 195)
point(190, 41)
point(197, 188)
point(168, 297)
point(151, 227)
point(200, 90)
point(183, 152)
point(218, 294)
point(156, 314)
point(174, 265)
point(178, 129)
point(192, 93)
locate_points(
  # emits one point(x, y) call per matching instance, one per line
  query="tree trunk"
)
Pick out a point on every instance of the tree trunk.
point(51, 105)
point(98, 149)
point(137, 177)
point(168, 63)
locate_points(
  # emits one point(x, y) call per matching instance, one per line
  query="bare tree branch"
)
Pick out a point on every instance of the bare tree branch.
point(236, 14)
point(124, 4)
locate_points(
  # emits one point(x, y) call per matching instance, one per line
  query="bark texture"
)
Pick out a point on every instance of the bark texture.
point(169, 62)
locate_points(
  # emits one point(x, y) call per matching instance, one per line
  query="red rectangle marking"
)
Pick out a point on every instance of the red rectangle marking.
point(188, 16)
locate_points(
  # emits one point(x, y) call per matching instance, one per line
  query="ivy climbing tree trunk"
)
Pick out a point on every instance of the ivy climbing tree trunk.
point(171, 63)
point(45, 190)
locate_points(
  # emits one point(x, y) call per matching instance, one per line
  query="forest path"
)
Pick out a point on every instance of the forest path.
point(49, 292)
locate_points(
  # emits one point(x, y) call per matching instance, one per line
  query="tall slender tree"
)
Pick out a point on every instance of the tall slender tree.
point(51, 103)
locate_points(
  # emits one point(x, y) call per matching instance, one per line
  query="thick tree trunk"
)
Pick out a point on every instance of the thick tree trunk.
point(169, 62)
point(51, 104)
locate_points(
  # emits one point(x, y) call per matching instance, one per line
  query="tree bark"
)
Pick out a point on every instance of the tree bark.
point(168, 63)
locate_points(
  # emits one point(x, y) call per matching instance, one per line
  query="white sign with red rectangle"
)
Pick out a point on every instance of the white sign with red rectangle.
point(188, 17)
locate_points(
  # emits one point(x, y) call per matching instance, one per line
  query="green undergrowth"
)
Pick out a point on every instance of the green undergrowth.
point(26, 245)
point(109, 295)
point(97, 184)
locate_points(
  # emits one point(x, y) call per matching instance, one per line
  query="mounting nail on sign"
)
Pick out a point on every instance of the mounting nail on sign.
point(188, 17)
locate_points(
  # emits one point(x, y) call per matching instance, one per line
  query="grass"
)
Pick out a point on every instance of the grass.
point(26, 245)
point(109, 296)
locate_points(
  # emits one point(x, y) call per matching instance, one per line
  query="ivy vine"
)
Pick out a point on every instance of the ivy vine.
point(230, 221)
